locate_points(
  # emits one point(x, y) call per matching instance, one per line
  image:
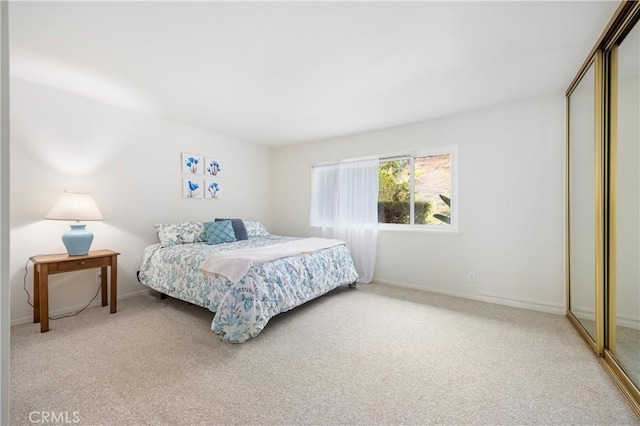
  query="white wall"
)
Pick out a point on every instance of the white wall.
point(5, 305)
point(130, 163)
point(511, 182)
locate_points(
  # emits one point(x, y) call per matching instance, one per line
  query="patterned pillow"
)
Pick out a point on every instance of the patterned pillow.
point(172, 234)
point(238, 228)
point(219, 232)
point(255, 229)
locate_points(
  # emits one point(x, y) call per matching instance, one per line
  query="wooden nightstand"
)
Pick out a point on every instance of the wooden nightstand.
point(49, 264)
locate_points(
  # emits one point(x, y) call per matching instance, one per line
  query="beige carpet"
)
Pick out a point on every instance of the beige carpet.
point(628, 353)
point(373, 355)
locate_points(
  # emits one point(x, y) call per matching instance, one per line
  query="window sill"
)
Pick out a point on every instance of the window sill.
point(426, 229)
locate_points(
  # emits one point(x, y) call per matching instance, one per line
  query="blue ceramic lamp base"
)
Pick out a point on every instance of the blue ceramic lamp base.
point(77, 240)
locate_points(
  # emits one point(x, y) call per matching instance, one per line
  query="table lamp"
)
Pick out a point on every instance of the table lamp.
point(76, 206)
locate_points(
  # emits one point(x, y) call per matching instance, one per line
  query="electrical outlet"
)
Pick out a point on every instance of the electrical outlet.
point(472, 277)
point(98, 278)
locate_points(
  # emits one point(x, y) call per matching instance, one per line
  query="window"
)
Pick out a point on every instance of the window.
point(417, 190)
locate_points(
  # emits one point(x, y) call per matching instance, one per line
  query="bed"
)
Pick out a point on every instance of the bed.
point(242, 307)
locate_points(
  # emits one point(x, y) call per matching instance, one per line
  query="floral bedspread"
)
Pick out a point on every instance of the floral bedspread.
point(242, 310)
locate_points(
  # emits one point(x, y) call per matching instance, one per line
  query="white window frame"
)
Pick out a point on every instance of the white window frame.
point(453, 226)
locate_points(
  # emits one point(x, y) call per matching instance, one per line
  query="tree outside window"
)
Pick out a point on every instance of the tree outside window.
point(415, 190)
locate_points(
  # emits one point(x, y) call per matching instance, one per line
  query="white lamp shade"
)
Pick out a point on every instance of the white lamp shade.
point(75, 206)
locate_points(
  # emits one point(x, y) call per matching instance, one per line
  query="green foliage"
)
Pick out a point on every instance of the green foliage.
point(422, 211)
point(442, 217)
point(396, 167)
point(393, 182)
point(394, 195)
point(399, 212)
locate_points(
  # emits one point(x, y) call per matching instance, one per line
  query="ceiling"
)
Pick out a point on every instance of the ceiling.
point(278, 73)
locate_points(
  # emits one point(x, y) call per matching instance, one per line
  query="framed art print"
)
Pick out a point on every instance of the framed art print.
point(192, 188)
point(212, 189)
point(192, 164)
point(212, 167)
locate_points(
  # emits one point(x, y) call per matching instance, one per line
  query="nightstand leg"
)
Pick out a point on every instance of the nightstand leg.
point(103, 284)
point(36, 293)
point(44, 298)
point(114, 284)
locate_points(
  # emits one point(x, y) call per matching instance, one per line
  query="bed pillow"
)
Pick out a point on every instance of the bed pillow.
point(255, 229)
point(238, 228)
point(172, 234)
point(219, 232)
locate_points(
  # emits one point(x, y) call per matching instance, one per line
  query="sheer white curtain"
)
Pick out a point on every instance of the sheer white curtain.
point(344, 205)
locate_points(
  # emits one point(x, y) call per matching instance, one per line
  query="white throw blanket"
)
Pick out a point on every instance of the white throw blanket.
point(235, 264)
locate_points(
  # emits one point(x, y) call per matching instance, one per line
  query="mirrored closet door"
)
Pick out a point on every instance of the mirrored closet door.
point(584, 181)
point(603, 200)
point(624, 205)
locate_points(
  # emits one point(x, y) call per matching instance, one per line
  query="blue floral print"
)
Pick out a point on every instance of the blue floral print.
point(243, 310)
point(213, 189)
point(192, 190)
point(192, 164)
point(213, 168)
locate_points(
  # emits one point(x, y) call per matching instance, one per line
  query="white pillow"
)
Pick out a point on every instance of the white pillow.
point(255, 229)
point(172, 234)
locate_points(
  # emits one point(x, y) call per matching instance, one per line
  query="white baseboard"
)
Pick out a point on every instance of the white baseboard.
point(628, 323)
point(533, 305)
point(621, 320)
point(581, 312)
point(71, 309)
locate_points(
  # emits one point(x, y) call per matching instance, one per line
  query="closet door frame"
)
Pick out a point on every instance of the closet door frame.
point(626, 23)
point(604, 55)
point(597, 342)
